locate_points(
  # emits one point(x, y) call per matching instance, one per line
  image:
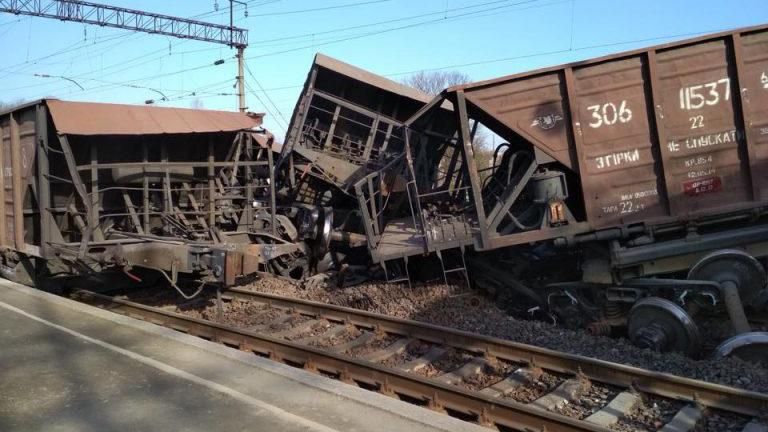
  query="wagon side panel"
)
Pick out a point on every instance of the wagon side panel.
point(621, 173)
point(705, 157)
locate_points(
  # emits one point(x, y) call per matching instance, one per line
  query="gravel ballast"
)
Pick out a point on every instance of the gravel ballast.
point(456, 307)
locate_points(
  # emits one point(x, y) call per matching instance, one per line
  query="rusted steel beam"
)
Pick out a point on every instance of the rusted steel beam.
point(656, 125)
point(77, 182)
point(272, 196)
point(18, 185)
point(211, 185)
point(471, 167)
point(47, 223)
point(165, 165)
point(3, 210)
point(145, 185)
point(132, 211)
point(741, 106)
point(95, 197)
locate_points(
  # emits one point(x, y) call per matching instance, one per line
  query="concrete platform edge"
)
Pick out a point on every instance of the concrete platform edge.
point(356, 394)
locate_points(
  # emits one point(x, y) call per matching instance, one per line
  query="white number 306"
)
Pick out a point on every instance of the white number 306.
point(608, 114)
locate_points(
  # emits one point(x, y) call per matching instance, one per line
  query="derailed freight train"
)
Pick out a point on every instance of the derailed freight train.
point(629, 193)
point(124, 195)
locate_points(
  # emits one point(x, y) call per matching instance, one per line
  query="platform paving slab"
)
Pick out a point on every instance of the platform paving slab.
point(66, 366)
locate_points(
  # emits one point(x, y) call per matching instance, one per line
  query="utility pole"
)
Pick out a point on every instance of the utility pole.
point(240, 57)
point(241, 80)
point(136, 20)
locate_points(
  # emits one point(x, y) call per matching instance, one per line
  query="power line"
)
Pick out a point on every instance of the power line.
point(266, 107)
point(248, 69)
point(373, 24)
point(477, 14)
point(129, 83)
point(558, 51)
point(389, 30)
point(301, 11)
point(81, 44)
point(524, 56)
point(129, 19)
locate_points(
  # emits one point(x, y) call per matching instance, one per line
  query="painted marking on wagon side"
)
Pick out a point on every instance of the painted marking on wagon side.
point(547, 122)
point(702, 186)
point(631, 202)
point(698, 161)
point(764, 80)
point(708, 140)
point(708, 94)
point(618, 158)
point(609, 114)
point(700, 173)
point(624, 207)
point(639, 194)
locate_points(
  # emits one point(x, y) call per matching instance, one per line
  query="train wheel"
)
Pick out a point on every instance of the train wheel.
point(732, 265)
point(662, 325)
point(751, 346)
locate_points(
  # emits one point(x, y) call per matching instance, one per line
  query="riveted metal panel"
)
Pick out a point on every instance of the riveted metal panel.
point(705, 159)
point(18, 159)
point(664, 134)
point(534, 107)
point(618, 159)
point(754, 90)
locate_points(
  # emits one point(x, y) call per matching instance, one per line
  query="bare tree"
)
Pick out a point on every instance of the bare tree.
point(5, 106)
point(434, 82)
point(197, 103)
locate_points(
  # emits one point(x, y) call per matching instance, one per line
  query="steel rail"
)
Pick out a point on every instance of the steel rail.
point(657, 383)
point(484, 409)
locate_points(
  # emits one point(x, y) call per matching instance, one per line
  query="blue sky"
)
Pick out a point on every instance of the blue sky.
point(482, 38)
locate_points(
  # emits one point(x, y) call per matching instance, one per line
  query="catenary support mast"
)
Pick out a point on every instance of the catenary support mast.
point(136, 20)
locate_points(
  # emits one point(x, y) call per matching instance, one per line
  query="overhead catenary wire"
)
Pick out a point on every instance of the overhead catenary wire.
point(313, 35)
point(389, 30)
point(336, 41)
point(498, 5)
point(266, 107)
point(316, 41)
point(523, 56)
point(277, 109)
point(83, 44)
point(320, 9)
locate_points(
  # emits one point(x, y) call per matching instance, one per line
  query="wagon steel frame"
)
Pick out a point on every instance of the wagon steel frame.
point(60, 178)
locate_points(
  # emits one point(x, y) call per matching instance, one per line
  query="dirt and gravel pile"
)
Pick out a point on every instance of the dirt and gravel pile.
point(453, 306)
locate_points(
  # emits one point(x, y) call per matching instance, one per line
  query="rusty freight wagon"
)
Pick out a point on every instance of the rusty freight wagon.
point(125, 194)
point(631, 190)
point(347, 125)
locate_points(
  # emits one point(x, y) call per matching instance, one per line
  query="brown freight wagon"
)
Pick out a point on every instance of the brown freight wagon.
point(123, 194)
point(630, 189)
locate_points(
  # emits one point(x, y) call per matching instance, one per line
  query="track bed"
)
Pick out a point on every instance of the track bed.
point(478, 378)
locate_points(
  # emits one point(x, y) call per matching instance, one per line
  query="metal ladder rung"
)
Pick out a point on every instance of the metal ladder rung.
point(405, 278)
point(462, 269)
point(455, 270)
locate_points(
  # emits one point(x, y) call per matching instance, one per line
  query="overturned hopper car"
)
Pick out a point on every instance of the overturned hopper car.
point(128, 194)
point(347, 126)
point(630, 192)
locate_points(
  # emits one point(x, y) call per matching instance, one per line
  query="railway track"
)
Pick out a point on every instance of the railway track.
point(486, 380)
